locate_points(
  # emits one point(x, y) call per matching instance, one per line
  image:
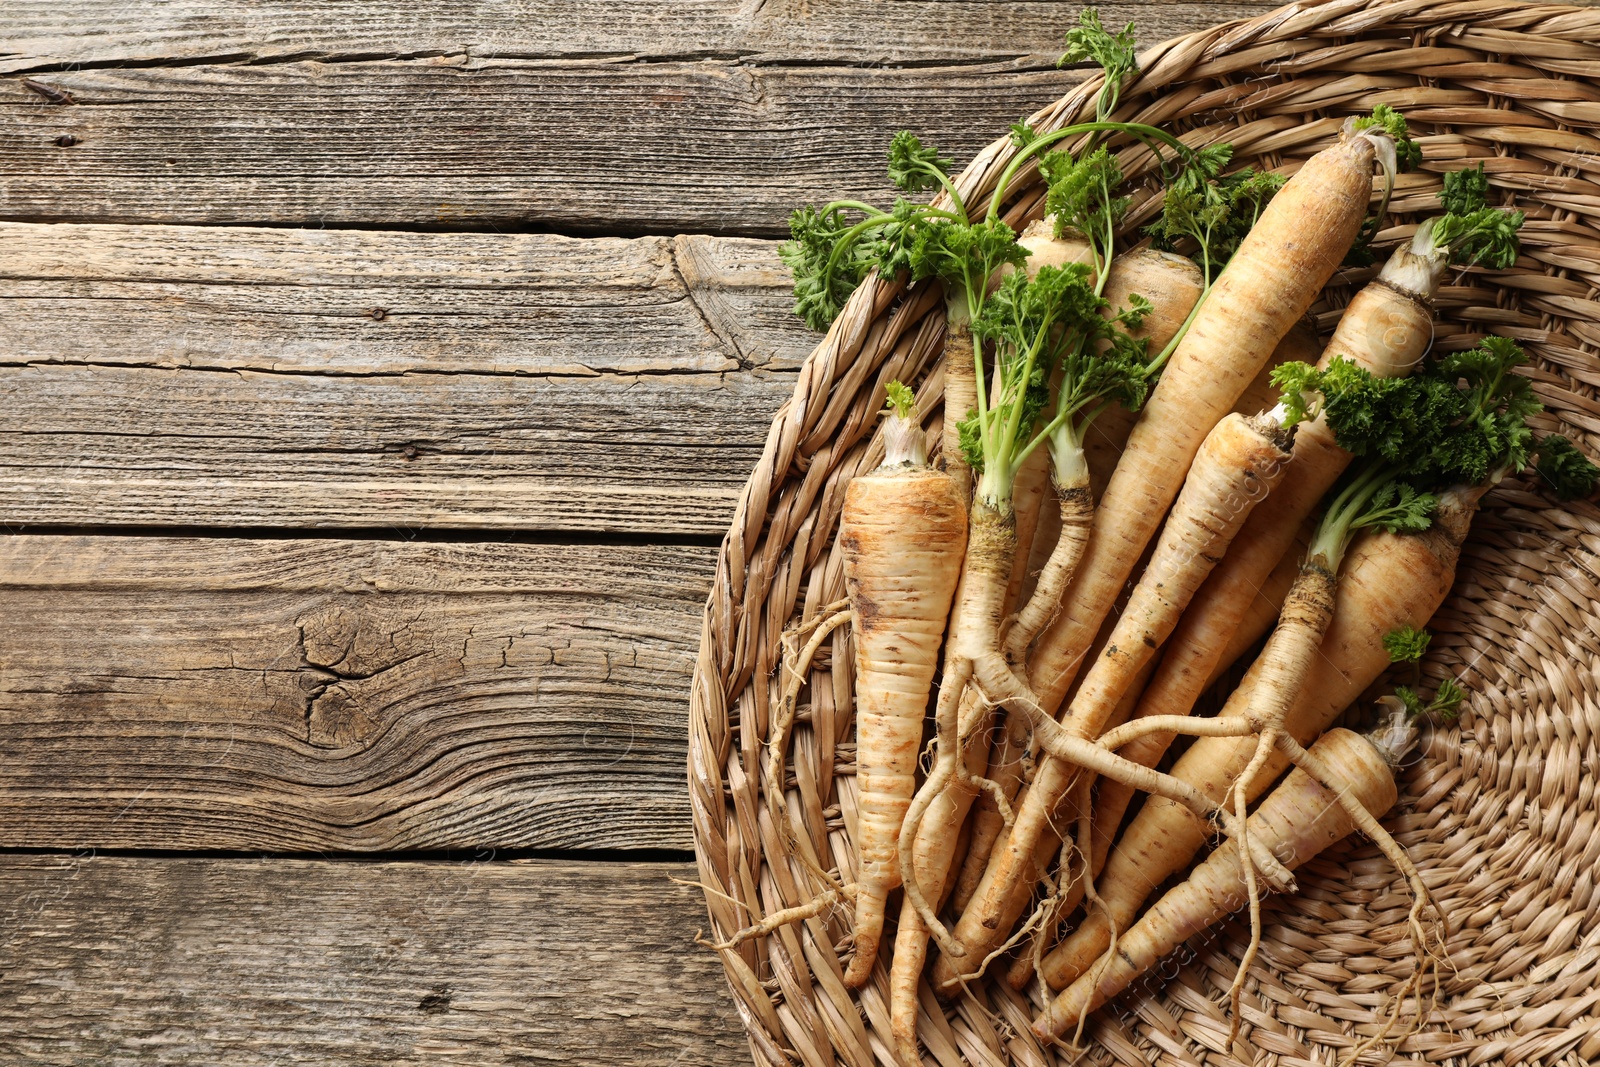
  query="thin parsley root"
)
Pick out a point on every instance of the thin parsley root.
point(1385, 331)
point(1388, 581)
point(1278, 269)
point(1299, 819)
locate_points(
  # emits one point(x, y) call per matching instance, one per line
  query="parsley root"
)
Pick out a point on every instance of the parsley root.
point(902, 534)
point(1297, 821)
point(1385, 331)
point(1389, 580)
point(1278, 269)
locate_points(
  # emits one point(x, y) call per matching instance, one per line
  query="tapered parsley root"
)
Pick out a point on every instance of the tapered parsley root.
point(1385, 331)
point(1462, 420)
point(1388, 581)
point(1297, 821)
point(1278, 269)
point(902, 533)
point(1171, 284)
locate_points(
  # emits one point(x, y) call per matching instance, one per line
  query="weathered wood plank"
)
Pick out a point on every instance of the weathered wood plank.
point(262, 963)
point(42, 34)
point(117, 445)
point(507, 381)
point(461, 143)
point(333, 694)
point(375, 302)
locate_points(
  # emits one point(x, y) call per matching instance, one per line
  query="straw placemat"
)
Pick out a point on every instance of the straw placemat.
point(1499, 812)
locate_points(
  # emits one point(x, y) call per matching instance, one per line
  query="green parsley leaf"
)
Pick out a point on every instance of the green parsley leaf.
point(1407, 153)
point(1566, 470)
point(1080, 192)
point(1465, 191)
point(901, 400)
point(913, 167)
point(1398, 508)
point(1408, 644)
point(1090, 41)
point(1487, 235)
point(826, 269)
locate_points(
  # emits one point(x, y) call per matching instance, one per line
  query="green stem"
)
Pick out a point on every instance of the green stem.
point(1137, 130)
point(1019, 390)
point(852, 205)
point(949, 187)
point(850, 237)
point(1153, 368)
point(1333, 533)
point(958, 312)
point(1102, 263)
point(881, 216)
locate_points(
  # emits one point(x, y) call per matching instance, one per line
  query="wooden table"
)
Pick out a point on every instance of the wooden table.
point(376, 387)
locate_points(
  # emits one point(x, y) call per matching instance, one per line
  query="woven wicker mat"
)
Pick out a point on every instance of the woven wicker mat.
point(1499, 813)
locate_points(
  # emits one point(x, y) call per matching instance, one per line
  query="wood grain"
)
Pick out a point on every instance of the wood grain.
point(194, 376)
point(292, 695)
point(263, 963)
point(43, 34)
point(464, 143)
point(374, 302)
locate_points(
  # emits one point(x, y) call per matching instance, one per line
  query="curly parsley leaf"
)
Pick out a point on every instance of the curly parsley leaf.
point(964, 255)
point(1398, 508)
point(1567, 471)
point(1457, 420)
point(1370, 416)
point(1465, 191)
point(892, 241)
point(1090, 41)
point(1445, 707)
point(1407, 153)
point(913, 167)
point(1080, 192)
point(826, 261)
point(1492, 431)
point(1407, 644)
point(1299, 383)
point(1133, 316)
point(1118, 372)
point(1214, 213)
point(1487, 235)
point(900, 399)
point(1112, 52)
